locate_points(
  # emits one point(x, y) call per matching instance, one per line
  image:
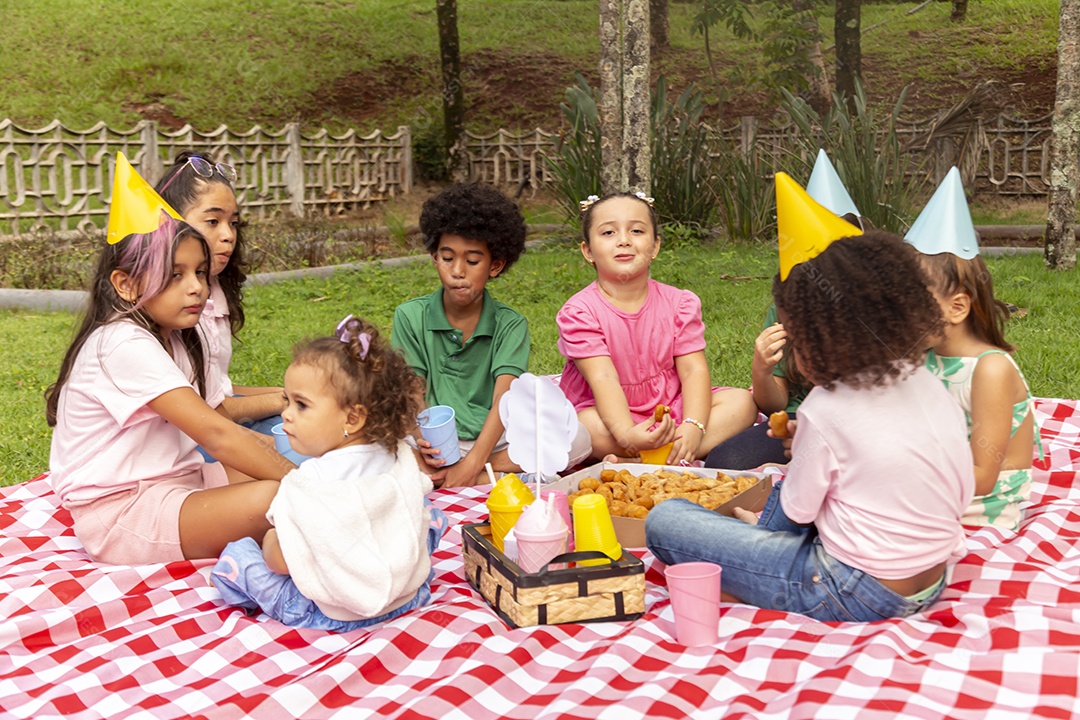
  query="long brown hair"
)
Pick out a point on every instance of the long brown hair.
point(183, 192)
point(950, 274)
point(148, 260)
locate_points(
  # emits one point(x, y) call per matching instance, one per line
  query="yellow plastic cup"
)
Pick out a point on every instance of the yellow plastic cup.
point(593, 529)
point(657, 456)
point(504, 504)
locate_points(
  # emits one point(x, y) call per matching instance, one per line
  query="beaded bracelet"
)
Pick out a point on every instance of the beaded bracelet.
point(695, 423)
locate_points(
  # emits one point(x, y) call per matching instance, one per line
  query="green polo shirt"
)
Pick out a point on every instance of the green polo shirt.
point(461, 376)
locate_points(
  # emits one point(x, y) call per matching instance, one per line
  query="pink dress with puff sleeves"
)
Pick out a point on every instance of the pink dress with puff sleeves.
point(642, 345)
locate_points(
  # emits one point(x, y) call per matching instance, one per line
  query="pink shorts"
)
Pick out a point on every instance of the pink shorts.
point(141, 525)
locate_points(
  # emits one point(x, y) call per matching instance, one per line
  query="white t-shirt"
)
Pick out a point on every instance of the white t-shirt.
point(216, 332)
point(885, 474)
point(106, 439)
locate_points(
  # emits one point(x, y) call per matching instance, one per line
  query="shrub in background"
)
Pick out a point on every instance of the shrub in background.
point(867, 155)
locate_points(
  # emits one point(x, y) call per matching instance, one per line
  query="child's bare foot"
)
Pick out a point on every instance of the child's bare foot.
point(746, 516)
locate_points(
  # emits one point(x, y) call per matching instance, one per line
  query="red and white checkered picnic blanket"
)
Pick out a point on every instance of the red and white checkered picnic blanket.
point(87, 640)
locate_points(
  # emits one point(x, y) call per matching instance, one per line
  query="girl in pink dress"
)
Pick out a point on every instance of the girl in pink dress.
point(633, 344)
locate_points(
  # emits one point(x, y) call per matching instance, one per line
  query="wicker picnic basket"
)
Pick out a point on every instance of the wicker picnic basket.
point(578, 594)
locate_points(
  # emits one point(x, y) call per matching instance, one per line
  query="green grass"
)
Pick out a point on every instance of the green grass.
point(281, 315)
point(267, 62)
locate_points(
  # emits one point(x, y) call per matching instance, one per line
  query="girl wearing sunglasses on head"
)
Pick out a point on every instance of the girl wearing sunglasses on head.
point(201, 190)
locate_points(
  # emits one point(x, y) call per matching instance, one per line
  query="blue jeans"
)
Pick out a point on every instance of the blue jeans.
point(775, 564)
point(243, 579)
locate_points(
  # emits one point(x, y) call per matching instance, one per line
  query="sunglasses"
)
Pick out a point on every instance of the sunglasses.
point(205, 169)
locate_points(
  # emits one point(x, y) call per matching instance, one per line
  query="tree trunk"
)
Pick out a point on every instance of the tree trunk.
point(658, 24)
point(453, 95)
point(820, 94)
point(959, 10)
point(1060, 250)
point(624, 96)
point(613, 165)
point(637, 120)
point(847, 34)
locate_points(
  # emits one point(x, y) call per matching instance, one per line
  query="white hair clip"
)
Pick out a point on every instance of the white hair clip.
point(588, 202)
point(644, 198)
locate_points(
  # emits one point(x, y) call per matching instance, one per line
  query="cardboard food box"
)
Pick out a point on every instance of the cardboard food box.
point(631, 532)
point(612, 591)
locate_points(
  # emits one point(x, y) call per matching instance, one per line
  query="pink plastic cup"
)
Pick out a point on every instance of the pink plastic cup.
point(536, 550)
point(695, 597)
point(563, 506)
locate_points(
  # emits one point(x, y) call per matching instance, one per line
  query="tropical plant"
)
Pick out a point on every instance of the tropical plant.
point(867, 154)
point(683, 173)
point(575, 169)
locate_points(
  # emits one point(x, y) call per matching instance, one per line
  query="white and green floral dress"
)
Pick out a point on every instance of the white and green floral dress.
point(1002, 506)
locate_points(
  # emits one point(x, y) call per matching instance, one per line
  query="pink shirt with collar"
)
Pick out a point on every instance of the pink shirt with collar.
point(216, 332)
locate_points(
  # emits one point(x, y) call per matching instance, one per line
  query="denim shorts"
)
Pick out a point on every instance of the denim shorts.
point(775, 564)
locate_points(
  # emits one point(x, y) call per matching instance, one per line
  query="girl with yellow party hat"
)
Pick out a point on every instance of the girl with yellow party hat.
point(805, 222)
point(972, 358)
point(878, 452)
point(132, 400)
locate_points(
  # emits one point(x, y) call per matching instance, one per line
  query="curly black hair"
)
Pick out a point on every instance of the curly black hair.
point(182, 193)
point(860, 312)
point(475, 212)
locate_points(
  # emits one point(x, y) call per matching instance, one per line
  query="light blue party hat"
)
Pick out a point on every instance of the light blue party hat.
point(827, 189)
point(944, 225)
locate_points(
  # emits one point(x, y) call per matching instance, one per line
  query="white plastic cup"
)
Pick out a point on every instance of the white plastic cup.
point(439, 427)
point(695, 597)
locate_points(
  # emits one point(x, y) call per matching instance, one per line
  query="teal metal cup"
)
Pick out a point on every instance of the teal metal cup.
point(439, 427)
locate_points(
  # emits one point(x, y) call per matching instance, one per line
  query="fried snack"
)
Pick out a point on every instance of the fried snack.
point(660, 411)
point(575, 495)
point(778, 423)
point(589, 484)
point(605, 492)
point(607, 475)
point(617, 490)
point(633, 496)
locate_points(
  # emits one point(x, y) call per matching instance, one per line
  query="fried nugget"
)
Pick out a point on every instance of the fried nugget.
point(660, 412)
point(778, 423)
point(588, 484)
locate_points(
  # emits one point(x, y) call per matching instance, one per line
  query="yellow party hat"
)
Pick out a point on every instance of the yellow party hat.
point(804, 226)
point(136, 208)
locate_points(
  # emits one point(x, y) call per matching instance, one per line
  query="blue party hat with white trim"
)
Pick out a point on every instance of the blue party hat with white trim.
point(826, 187)
point(944, 225)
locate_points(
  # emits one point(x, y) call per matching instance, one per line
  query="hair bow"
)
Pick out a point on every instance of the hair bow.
point(348, 329)
point(644, 198)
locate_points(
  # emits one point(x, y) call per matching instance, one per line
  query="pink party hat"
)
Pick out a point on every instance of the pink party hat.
point(944, 225)
point(826, 187)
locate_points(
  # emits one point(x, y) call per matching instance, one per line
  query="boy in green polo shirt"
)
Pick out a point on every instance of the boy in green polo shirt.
point(467, 346)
